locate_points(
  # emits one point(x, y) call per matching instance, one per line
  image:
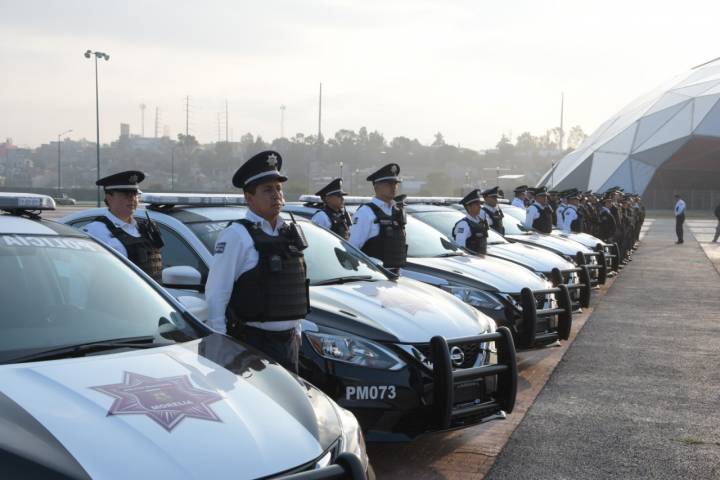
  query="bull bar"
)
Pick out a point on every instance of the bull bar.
point(445, 379)
point(529, 336)
point(347, 466)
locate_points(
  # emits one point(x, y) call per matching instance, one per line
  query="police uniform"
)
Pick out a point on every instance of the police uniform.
point(572, 220)
point(471, 232)
point(378, 228)
point(679, 219)
point(493, 216)
point(257, 287)
point(517, 201)
point(560, 212)
point(607, 226)
point(337, 221)
point(538, 216)
point(138, 241)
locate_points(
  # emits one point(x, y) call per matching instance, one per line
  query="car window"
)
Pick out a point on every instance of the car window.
point(424, 241)
point(67, 290)
point(513, 226)
point(207, 232)
point(175, 252)
point(445, 223)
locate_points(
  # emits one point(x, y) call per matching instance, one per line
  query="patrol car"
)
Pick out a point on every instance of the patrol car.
point(607, 253)
point(535, 311)
point(103, 374)
point(404, 357)
point(558, 269)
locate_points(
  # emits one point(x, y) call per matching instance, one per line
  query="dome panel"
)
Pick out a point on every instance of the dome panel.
point(668, 100)
point(659, 155)
point(710, 124)
point(703, 105)
point(650, 124)
point(678, 126)
point(603, 165)
point(621, 178)
point(622, 142)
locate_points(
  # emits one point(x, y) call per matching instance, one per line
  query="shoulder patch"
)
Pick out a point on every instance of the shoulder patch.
point(461, 229)
point(220, 247)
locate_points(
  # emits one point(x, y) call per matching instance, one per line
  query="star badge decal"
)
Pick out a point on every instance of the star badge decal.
point(272, 160)
point(167, 401)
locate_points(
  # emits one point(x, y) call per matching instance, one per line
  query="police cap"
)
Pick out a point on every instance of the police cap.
point(260, 168)
point(490, 192)
point(332, 188)
point(472, 197)
point(388, 173)
point(123, 181)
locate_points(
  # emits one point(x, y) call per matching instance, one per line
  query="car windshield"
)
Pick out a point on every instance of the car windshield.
point(513, 226)
point(424, 241)
point(330, 258)
point(61, 291)
point(445, 222)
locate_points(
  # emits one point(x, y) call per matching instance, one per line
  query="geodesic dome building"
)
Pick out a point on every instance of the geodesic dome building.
point(666, 141)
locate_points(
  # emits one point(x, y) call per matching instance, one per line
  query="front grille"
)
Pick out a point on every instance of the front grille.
point(471, 351)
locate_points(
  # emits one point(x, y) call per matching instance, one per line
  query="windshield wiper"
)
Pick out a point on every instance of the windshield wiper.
point(337, 280)
point(83, 348)
point(449, 254)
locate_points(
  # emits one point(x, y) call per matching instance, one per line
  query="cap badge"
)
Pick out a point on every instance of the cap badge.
point(394, 169)
point(133, 178)
point(272, 160)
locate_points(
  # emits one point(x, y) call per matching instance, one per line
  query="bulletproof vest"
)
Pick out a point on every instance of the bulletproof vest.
point(277, 287)
point(143, 251)
point(389, 245)
point(339, 220)
point(607, 224)
point(477, 241)
point(543, 223)
point(497, 218)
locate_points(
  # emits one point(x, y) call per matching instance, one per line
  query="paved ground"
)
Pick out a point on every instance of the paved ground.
point(638, 393)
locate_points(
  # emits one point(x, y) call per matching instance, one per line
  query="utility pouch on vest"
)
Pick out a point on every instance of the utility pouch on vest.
point(298, 237)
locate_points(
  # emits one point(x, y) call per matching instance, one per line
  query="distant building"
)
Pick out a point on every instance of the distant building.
point(124, 130)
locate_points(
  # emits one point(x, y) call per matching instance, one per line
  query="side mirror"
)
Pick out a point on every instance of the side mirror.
point(182, 277)
point(197, 306)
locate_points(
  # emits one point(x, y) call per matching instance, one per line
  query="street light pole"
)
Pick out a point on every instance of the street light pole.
point(172, 169)
point(60, 135)
point(105, 56)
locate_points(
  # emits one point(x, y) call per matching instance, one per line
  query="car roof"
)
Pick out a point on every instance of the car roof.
point(21, 225)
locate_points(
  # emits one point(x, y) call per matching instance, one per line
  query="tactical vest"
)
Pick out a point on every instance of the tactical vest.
point(477, 241)
point(607, 225)
point(497, 218)
point(389, 245)
point(543, 223)
point(143, 251)
point(339, 221)
point(276, 288)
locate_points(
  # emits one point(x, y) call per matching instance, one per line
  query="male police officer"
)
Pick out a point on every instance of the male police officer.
point(539, 214)
point(378, 227)
point(520, 196)
point(607, 226)
point(490, 211)
point(717, 229)
point(333, 215)
point(679, 217)
point(257, 288)
point(138, 240)
point(471, 232)
point(572, 220)
point(560, 211)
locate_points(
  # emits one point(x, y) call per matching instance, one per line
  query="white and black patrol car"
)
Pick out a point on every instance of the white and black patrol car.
point(553, 266)
point(404, 357)
point(535, 311)
point(607, 253)
point(103, 374)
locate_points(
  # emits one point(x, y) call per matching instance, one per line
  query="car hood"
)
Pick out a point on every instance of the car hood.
point(539, 259)
point(504, 276)
point(583, 238)
point(402, 311)
point(564, 246)
point(210, 408)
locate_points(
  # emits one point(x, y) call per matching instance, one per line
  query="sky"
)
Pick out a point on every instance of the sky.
point(473, 70)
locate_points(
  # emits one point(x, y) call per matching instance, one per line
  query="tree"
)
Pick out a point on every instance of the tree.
point(439, 140)
point(575, 137)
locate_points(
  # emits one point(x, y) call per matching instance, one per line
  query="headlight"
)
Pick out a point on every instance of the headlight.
point(473, 296)
point(352, 440)
point(354, 350)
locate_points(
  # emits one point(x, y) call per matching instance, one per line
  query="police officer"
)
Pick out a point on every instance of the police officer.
point(333, 215)
point(138, 240)
point(490, 211)
point(572, 220)
point(560, 210)
point(471, 232)
point(520, 198)
point(717, 229)
point(679, 217)
point(378, 227)
point(257, 288)
point(539, 213)
point(607, 226)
